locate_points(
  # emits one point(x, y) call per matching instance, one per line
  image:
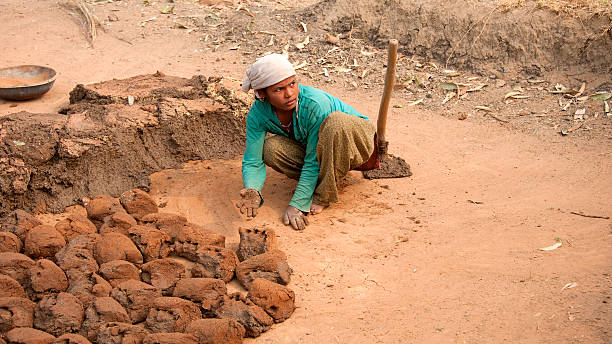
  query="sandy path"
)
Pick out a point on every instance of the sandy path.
point(397, 261)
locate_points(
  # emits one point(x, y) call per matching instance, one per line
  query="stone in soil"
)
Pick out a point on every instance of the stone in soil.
point(43, 242)
point(9, 287)
point(102, 206)
point(118, 332)
point(15, 312)
point(214, 261)
point(252, 317)
point(152, 243)
point(136, 297)
point(170, 338)
point(163, 274)
point(208, 292)
point(46, 277)
point(271, 265)
point(119, 222)
point(254, 241)
point(216, 331)
point(138, 203)
point(58, 314)
point(171, 314)
point(277, 300)
point(102, 310)
point(28, 335)
point(116, 246)
point(9, 242)
point(20, 222)
point(16, 265)
point(74, 225)
point(118, 271)
point(71, 338)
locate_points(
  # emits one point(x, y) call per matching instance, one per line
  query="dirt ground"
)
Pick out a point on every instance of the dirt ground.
point(451, 254)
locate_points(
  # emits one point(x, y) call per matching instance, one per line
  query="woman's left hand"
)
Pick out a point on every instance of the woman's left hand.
point(295, 217)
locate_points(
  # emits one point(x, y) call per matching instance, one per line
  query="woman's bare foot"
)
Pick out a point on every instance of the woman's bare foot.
point(316, 208)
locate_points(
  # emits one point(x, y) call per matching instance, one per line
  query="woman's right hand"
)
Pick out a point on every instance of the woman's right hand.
point(295, 217)
point(250, 202)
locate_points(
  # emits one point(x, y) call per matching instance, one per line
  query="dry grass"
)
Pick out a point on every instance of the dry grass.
point(570, 7)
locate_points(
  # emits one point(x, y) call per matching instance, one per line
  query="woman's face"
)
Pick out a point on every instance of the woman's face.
point(283, 95)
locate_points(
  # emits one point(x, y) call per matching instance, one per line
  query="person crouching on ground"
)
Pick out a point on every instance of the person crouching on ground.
point(317, 140)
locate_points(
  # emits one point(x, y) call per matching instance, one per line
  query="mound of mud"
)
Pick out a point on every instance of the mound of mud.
point(112, 136)
point(470, 34)
point(96, 286)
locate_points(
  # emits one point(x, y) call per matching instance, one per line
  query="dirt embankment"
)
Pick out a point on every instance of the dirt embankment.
point(112, 136)
point(476, 35)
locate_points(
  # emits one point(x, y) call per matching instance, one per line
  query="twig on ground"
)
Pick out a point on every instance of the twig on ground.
point(497, 118)
point(591, 216)
point(89, 21)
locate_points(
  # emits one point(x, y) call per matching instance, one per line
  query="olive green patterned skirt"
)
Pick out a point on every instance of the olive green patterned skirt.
point(346, 142)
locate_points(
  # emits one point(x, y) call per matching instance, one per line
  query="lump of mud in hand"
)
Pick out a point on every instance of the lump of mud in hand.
point(118, 332)
point(171, 314)
point(163, 274)
point(152, 243)
point(119, 222)
point(46, 277)
point(71, 338)
point(118, 271)
point(254, 241)
point(216, 331)
point(138, 203)
point(9, 287)
point(254, 319)
point(75, 225)
point(102, 310)
point(170, 338)
point(58, 314)
point(20, 222)
point(136, 297)
point(43, 242)
point(28, 335)
point(15, 312)
point(208, 292)
point(182, 231)
point(271, 265)
point(102, 206)
point(115, 246)
point(277, 300)
point(9, 242)
point(16, 265)
point(214, 261)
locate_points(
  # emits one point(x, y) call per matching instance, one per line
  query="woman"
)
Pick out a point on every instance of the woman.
point(317, 140)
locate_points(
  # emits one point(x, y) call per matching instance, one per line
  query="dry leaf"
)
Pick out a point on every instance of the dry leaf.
point(477, 88)
point(415, 102)
point(570, 285)
point(483, 108)
point(580, 91)
point(304, 27)
point(303, 44)
point(580, 111)
point(601, 96)
point(552, 247)
point(448, 97)
point(300, 66)
point(333, 39)
point(449, 86)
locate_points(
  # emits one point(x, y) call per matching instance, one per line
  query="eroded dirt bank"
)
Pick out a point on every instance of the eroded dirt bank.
point(112, 136)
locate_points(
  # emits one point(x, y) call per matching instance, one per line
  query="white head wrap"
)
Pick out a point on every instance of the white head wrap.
point(267, 71)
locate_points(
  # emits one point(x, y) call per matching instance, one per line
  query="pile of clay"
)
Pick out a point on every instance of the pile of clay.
point(117, 270)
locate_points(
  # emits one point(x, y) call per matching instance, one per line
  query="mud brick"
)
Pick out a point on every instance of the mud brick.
point(171, 314)
point(217, 331)
point(136, 297)
point(254, 241)
point(28, 335)
point(102, 310)
point(16, 312)
point(117, 271)
point(20, 222)
point(118, 332)
point(9, 242)
point(116, 246)
point(46, 277)
point(254, 319)
point(270, 265)
point(75, 225)
point(71, 338)
point(169, 338)
point(9, 287)
point(277, 300)
point(58, 314)
point(138, 203)
point(152, 243)
point(16, 265)
point(43, 242)
point(102, 206)
point(163, 274)
point(215, 262)
point(208, 292)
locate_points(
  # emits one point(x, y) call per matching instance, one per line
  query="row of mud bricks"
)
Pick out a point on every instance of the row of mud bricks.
point(119, 271)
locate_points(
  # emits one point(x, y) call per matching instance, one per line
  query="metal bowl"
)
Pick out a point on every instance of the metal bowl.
point(25, 82)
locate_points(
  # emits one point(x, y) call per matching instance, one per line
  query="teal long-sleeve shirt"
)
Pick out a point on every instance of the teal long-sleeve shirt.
point(313, 107)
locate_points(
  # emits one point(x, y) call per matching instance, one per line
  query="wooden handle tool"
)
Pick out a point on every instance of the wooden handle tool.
point(381, 124)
